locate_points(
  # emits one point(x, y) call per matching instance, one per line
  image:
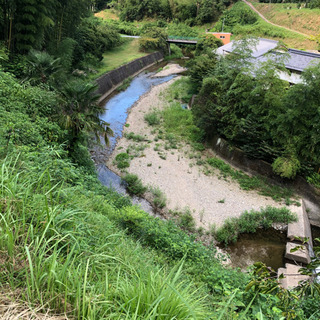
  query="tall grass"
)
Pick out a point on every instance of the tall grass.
point(249, 222)
point(76, 261)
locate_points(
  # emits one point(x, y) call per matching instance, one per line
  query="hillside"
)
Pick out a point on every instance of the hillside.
point(288, 15)
point(72, 248)
point(241, 20)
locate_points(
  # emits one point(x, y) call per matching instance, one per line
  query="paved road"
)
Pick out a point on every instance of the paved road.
point(265, 19)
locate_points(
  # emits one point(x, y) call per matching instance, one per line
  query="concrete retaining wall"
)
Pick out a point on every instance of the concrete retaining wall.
point(239, 159)
point(111, 80)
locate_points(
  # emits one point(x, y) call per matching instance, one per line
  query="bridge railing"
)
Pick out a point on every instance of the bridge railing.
point(182, 38)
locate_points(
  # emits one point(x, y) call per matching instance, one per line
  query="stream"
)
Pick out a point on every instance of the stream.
point(116, 113)
point(267, 247)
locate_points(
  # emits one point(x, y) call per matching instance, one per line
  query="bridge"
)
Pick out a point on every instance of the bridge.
point(181, 40)
point(173, 39)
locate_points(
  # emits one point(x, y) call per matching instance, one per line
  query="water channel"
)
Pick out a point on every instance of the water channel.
point(116, 113)
point(266, 246)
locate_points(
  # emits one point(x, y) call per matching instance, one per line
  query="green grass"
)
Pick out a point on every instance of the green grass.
point(249, 222)
point(125, 84)
point(247, 182)
point(63, 250)
point(180, 90)
point(134, 184)
point(119, 56)
point(289, 15)
point(266, 30)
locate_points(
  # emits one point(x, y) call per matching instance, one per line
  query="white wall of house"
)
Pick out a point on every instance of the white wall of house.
point(291, 77)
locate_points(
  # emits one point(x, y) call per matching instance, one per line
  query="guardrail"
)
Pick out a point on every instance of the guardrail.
point(183, 38)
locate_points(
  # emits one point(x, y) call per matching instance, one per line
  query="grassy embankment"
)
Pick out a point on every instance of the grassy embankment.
point(263, 29)
point(288, 15)
point(119, 56)
point(70, 245)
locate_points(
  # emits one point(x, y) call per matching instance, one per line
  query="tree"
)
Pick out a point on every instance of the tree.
point(207, 12)
point(153, 38)
point(207, 43)
point(24, 23)
point(299, 124)
point(41, 66)
point(80, 112)
point(67, 15)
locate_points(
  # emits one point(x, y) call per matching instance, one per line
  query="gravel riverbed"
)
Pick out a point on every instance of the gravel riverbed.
point(210, 198)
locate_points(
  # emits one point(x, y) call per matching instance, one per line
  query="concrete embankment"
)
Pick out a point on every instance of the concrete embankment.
point(238, 158)
point(113, 79)
point(298, 249)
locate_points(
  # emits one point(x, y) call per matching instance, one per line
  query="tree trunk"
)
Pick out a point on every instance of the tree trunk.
point(10, 34)
point(60, 27)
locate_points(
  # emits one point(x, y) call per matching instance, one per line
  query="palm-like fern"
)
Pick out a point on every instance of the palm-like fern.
point(80, 111)
point(41, 66)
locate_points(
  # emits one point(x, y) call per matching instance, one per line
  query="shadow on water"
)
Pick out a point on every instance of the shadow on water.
point(267, 246)
point(116, 114)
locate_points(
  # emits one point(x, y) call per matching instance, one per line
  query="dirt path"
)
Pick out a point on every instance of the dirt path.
point(211, 198)
point(266, 20)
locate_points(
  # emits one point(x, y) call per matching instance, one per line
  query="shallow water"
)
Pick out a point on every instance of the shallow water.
point(116, 114)
point(117, 107)
point(267, 246)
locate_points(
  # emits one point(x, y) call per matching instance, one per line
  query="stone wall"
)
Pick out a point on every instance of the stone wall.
point(111, 80)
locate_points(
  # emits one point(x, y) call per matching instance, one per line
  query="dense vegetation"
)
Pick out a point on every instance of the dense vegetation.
point(262, 115)
point(70, 245)
point(308, 4)
point(189, 11)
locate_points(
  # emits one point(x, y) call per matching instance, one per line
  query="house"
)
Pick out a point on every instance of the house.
point(223, 36)
point(295, 61)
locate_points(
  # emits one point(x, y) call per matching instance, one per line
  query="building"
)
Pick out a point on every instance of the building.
point(223, 36)
point(295, 61)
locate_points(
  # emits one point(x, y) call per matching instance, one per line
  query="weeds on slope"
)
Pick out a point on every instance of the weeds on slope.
point(76, 261)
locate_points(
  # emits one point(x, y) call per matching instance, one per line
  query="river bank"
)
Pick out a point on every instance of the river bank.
point(210, 199)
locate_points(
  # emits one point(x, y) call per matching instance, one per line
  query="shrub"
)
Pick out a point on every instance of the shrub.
point(187, 222)
point(286, 167)
point(207, 43)
point(122, 160)
point(134, 184)
point(159, 199)
point(249, 222)
point(181, 30)
point(153, 39)
point(135, 137)
point(314, 179)
point(176, 52)
point(152, 118)
point(238, 14)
